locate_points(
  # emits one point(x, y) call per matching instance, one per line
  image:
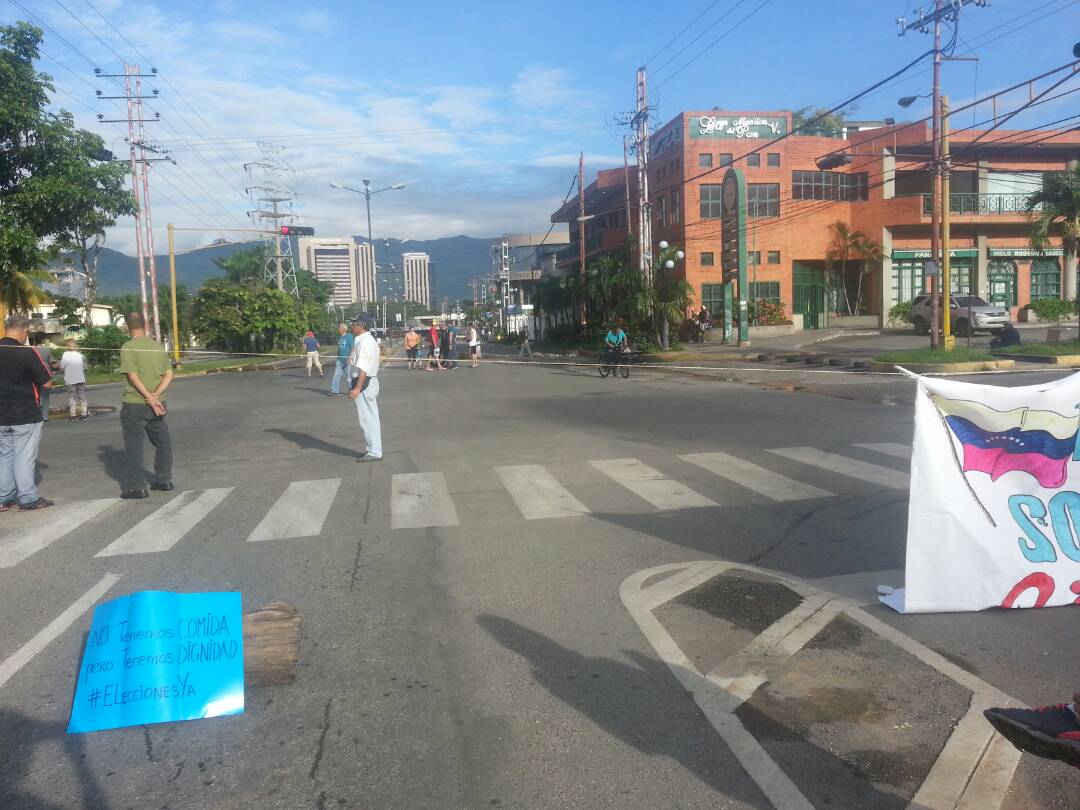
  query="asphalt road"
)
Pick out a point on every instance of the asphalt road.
point(488, 660)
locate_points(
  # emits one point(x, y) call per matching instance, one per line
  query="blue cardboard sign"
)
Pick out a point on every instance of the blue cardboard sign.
point(158, 656)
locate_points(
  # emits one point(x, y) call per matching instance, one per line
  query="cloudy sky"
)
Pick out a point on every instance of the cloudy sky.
point(481, 107)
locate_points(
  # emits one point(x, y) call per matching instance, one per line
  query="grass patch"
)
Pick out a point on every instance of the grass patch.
point(97, 376)
point(1045, 349)
point(957, 355)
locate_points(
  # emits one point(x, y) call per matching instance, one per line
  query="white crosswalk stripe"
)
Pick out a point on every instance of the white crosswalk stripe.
point(421, 500)
point(888, 448)
point(537, 494)
point(843, 465)
point(651, 485)
point(164, 528)
point(772, 485)
point(299, 512)
point(60, 520)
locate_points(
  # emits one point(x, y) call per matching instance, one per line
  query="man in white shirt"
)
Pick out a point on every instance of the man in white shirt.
point(73, 364)
point(364, 367)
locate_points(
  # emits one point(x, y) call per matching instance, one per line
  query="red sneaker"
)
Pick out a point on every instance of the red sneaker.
point(1051, 732)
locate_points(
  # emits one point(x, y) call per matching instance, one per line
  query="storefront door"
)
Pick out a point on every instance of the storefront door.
point(809, 293)
point(1002, 278)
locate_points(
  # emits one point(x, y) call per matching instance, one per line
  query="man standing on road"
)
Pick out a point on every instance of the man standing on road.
point(341, 368)
point(311, 346)
point(146, 365)
point(364, 363)
point(523, 337)
point(23, 376)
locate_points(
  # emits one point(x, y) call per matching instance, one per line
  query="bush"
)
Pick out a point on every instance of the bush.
point(900, 313)
point(1053, 309)
point(767, 313)
point(101, 347)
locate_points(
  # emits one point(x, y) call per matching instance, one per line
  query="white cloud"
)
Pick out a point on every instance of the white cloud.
point(566, 160)
point(315, 20)
point(541, 86)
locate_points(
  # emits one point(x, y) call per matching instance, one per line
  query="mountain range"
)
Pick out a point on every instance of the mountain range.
point(457, 260)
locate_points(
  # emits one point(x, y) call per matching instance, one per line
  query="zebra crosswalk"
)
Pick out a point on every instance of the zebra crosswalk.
point(422, 500)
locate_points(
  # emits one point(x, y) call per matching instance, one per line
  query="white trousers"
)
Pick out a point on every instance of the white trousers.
point(367, 411)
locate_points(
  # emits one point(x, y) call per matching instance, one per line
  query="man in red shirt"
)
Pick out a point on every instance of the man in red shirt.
point(433, 347)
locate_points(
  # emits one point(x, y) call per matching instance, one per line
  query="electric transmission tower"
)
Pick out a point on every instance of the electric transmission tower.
point(272, 200)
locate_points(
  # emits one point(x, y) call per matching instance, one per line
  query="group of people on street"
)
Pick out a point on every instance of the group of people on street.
point(25, 378)
point(442, 346)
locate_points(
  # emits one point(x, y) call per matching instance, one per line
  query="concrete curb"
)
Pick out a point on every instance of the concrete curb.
point(945, 368)
point(1070, 360)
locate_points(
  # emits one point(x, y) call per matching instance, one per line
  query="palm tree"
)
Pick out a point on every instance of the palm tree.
point(870, 252)
point(1056, 207)
point(843, 246)
point(19, 290)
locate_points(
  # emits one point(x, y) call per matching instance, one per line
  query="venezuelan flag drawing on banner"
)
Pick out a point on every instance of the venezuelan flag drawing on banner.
point(1037, 442)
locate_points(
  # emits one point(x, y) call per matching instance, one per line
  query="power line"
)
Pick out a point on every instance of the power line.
point(89, 30)
point(686, 28)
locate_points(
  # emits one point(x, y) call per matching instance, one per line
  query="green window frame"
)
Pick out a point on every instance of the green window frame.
point(711, 200)
point(765, 291)
point(708, 259)
point(907, 280)
point(712, 298)
point(960, 277)
point(1045, 279)
point(1003, 270)
point(753, 257)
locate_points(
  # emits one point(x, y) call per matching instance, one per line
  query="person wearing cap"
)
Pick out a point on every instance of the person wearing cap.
point(364, 363)
point(23, 376)
point(311, 346)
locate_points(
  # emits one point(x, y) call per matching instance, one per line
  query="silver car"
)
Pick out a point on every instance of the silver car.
point(969, 314)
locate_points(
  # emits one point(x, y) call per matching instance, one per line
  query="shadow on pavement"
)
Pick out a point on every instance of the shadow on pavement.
point(305, 441)
point(620, 698)
point(20, 736)
point(115, 462)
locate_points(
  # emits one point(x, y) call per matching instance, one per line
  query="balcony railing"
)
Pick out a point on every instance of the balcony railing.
point(980, 203)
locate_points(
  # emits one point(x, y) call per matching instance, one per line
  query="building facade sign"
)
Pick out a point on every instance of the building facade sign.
point(668, 137)
point(925, 254)
point(1013, 253)
point(741, 127)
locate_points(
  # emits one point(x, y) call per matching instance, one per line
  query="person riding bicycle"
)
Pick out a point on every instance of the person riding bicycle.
point(615, 341)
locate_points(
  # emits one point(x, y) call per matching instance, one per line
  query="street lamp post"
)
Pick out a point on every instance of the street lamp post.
point(367, 194)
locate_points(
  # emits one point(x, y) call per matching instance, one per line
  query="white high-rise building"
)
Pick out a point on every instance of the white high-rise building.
point(417, 278)
point(349, 266)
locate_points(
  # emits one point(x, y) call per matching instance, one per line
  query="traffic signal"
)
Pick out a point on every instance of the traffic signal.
point(297, 230)
point(833, 161)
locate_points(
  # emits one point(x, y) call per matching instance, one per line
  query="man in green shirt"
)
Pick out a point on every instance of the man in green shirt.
point(146, 365)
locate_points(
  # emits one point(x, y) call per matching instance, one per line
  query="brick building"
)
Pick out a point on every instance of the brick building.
point(883, 191)
point(607, 230)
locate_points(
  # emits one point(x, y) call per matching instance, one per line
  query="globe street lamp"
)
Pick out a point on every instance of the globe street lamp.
point(367, 193)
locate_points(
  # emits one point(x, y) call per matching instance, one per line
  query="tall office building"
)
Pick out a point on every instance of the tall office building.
point(350, 267)
point(417, 282)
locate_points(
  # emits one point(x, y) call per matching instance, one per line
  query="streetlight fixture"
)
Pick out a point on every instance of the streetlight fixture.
point(907, 101)
point(367, 194)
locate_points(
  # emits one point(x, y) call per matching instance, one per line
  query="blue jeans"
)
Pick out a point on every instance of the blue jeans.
point(340, 375)
point(18, 462)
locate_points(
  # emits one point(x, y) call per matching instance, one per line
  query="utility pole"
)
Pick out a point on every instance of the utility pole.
point(581, 231)
point(626, 183)
point(948, 340)
point(925, 19)
point(641, 124)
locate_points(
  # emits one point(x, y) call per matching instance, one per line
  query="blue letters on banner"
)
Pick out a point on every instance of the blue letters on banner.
point(157, 656)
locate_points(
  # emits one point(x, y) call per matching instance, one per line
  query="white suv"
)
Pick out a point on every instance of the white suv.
point(969, 314)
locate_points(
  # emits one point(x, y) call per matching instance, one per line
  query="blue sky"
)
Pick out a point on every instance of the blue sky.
point(481, 107)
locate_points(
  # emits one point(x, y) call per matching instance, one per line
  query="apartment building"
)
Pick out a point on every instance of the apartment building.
point(416, 270)
point(343, 262)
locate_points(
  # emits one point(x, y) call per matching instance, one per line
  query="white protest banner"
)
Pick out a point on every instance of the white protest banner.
point(994, 511)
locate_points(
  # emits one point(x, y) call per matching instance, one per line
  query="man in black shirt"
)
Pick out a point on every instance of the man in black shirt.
point(23, 376)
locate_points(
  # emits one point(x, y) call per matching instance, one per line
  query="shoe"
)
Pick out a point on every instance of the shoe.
point(168, 486)
point(7, 506)
point(1051, 732)
point(134, 494)
point(366, 457)
point(40, 503)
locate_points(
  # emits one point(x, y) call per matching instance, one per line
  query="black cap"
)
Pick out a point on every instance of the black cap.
point(360, 319)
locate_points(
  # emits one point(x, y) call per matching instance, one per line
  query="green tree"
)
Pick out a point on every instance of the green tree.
point(843, 247)
point(819, 121)
point(870, 252)
point(183, 311)
point(1055, 210)
point(68, 312)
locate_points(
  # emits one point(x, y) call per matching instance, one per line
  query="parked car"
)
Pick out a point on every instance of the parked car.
point(969, 314)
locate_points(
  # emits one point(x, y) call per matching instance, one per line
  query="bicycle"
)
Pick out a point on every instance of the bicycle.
point(614, 363)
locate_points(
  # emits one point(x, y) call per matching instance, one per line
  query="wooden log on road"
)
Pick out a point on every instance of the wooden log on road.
point(271, 645)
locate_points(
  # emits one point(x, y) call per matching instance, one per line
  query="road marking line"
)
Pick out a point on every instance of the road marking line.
point(301, 511)
point(843, 465)
point(537, 494)
point(772, 485)
point(22, 656)
point(164, 528)
point(889, 449)
point(651, 485)
point(420, 500)
point(29, 540)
